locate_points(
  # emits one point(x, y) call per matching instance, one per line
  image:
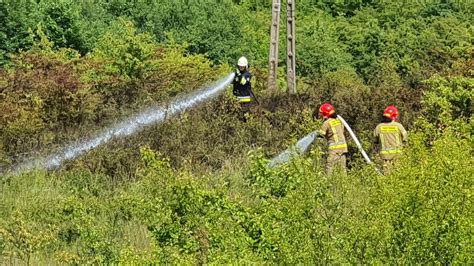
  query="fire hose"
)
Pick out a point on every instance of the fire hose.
point(302, 146)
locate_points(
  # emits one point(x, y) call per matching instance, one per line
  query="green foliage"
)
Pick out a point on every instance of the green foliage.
point(82, 227)
point(47, 90)
point(17, 17)
point(206, 34)
point(277, 183)
point(24, 238)
point(334, 33)
point(319, 50)
point(43, 92)
point(431, 203)
point(130, 52)
point(196, 189)
point(420, 213)
point(61, 24)
point(448, 100)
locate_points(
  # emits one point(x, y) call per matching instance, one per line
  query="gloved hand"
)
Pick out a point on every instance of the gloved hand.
point(237, 76)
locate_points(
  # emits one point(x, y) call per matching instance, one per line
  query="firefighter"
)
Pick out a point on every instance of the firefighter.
point(333, 131)
point(242, 82)
point(390, 136)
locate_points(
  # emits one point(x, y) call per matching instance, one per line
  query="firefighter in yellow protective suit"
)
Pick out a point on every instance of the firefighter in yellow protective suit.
point(390, 136)
point(333, 131)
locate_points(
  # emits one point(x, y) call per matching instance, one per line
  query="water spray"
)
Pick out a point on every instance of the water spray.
point(153, 115)
point(301, 147)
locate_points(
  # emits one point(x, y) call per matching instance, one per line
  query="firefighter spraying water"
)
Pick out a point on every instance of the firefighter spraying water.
point(333, 131)
point(242, 84)
point(242, 87)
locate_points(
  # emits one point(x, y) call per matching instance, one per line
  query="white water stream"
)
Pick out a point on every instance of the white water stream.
point(127, 127)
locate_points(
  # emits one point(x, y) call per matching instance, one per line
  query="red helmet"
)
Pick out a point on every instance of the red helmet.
point(391, 112)
point(327, 110)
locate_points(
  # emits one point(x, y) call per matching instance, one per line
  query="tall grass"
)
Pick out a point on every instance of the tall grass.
point(420, 213)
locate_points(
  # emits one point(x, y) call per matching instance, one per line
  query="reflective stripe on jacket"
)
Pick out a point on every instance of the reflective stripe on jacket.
point(244, 99)
point(391, 137)
point(333, 130)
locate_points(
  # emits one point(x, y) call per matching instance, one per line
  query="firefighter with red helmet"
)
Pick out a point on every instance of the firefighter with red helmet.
point(390, 135)
point(333, 131)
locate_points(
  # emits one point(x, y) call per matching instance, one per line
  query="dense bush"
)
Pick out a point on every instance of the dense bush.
point(53, 96)
point(421, 213)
